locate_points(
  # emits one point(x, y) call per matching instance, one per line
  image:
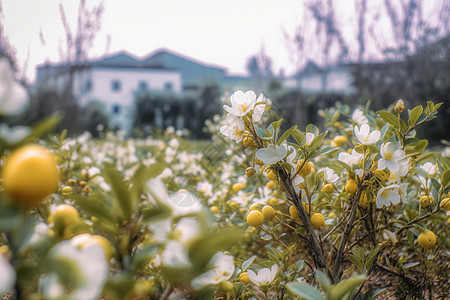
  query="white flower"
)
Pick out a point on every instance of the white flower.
point(389, 235)
point(358, 117)
point(309, 138)
point(92, 264)
point(388, 195)
point(13, 96)
point(391, 155)
point(186, 230)
point(366, 137)
point(402, 170)
point(13, 134)
point(175, 255)
point(351, 159)
point(402, 191)
point(184, 203)
point(241, 103)
point(221, 267)
point(235, 128)
point(429, 168)
point(264, 277)
point(329, 175)
point(272, 154)
point(7, 275)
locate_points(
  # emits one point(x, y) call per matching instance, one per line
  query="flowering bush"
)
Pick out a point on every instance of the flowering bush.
point(272, 214)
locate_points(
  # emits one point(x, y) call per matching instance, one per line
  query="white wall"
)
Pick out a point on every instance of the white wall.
point(101, 89)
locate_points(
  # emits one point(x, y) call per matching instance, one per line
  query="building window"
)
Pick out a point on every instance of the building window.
point(116, 109)
point(168, 86)
point(88, 86)
point(116, 86)
point(190, 88)
point(143, 85)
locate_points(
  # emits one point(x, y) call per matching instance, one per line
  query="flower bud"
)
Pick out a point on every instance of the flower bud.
point(399, 107)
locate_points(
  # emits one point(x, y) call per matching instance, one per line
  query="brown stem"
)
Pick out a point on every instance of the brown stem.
point(354, 200)
point(312, 239)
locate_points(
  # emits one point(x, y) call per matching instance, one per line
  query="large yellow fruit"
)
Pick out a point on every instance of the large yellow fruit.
point(340, 140)
point(317, 220)
point(445, 203)
point(294, 212)
point(268, 212)
point(351, 186)
point(426, 239)
point(306, 168)
point(238, 186)
point(30, 175)
point(426, 201)
point(327, 189)
point(255, 218)
point(64, 216)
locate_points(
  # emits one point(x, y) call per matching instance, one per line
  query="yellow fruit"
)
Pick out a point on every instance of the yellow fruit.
point(273, 201)
point(271, 175)
point(399, 107)
point(445, 203)
point(226, 286)
point(331, 215)
point(294, 212)
point(30, 175)
point(72, 181)
point(64, 216)
point(238, 186)
point(426, 239)
point(351, 186)
point(271, 185)
point(305, 170)
point(340, 140)
point(87, 189)
point(317, 220)
point(255, 218)
point(214, 209)
point(382, 174)
point(268, 212)
point(259, 162)
point(249, 142)
point(327, 188)
point(233, 205)
point(83, 183)
point(244, 278)
point(426, 201)
point(250, 172)
point(67, 190)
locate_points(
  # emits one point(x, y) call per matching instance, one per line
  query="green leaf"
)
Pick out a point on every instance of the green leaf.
point(144, 173)
point(143, 257)
point(323, 280)
point(357, 263)
point(305, 291)
point(338, 291)
point(156, 213)
point(119, 286)
point(313, 129)
point(286, 134)
point(200, 254)
point(67, 269)
point(414, 115)
point(299, 136)
point(125, 200)
point(389, 118)
point(371, 257)
point(95, 206)
point(411, 264)
point(317, 141)
point(445, 179)
point(361, 148)
point(276, 124)
point(247, 263)
point(416, 148)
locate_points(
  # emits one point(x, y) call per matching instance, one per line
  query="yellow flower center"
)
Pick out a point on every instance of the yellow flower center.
point(385, 193)
point(243, 107)
point(388, 156)
point(238, 132)
point(366, 139)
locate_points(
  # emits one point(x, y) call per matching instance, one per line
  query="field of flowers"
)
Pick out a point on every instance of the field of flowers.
point(356, 211)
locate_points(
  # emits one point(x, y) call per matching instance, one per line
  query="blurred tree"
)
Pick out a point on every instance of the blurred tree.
point(95, 117)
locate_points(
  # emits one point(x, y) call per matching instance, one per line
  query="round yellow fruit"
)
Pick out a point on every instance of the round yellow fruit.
point(327, 188)
point(268, 212)
point(238, 186)
point(214, 209)
point(271, 175)
point(293, 212)
point(226, 286)
point(255, 206)
point(250, 172)
point(351, 187)
point(244, 278)
point(67, 190)
point(340, 140)
point(30, 175)
point(255, 218)
point(271, 185)
point(304, 170)
point(426, 239)
point(273, 201)
point(317, 220)
point(426, 201)
point(65, 215)
point(445, 203)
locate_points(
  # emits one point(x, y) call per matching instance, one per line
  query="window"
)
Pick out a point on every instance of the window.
point(88, 86)
point(143, 85)
point(116, 109)
point(116, 86)
point(168, 86)
point(190, 88)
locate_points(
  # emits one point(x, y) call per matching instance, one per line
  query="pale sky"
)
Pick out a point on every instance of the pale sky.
point(223, 33)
